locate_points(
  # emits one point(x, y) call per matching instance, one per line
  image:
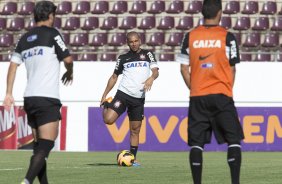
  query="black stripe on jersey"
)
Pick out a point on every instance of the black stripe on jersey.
point(231, 42)
point(43, 37)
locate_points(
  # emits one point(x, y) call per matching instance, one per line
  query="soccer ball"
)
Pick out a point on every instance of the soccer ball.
point(125, 158)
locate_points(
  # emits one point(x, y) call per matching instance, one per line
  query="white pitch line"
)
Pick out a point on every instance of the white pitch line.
point(13, 169)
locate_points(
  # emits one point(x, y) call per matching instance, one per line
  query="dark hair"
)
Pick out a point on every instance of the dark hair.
point(211, 8)
point(43, 9)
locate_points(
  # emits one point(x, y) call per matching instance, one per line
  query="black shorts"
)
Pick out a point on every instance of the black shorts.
point(215, 113)
point(42, 110)
point(135, 106)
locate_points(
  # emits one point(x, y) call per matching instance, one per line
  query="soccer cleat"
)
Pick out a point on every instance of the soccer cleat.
point(136, 164)
point(106, 101)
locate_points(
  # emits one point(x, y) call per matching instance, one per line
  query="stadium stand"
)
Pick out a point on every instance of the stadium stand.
point(98, 27)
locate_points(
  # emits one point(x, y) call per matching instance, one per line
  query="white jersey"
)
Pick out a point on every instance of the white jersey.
point(135, 68)
point(41, 49)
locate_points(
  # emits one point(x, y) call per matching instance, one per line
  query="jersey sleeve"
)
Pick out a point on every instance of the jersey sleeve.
point(119, 66)
point(153, 61)
point(183, 57)
point(60, 46)
point(16, 56)
point(232, 49)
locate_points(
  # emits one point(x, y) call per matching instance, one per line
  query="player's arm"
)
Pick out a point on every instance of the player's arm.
point(183, 59)
point(155, 72)
point(113, 79)
point(233, 53)
point(9, 99)
point(67, 78)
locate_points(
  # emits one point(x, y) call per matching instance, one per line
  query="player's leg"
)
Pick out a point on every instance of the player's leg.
point(196, 163)
point(47, 134)
point(135, 127)
point(113, 109)
point(228, 129)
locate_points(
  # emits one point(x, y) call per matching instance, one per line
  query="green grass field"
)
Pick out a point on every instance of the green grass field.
point(157, 168)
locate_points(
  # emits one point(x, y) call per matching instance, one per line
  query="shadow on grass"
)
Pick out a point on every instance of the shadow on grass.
point(102, 164)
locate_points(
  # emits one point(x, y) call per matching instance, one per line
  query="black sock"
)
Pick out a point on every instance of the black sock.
point(196, 164)
point(38, 160)
point(133, 150)
point(42, 175)
point(234, 162)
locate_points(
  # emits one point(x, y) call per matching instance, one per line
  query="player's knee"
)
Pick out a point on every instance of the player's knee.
point(108, 121)
point(45, 146)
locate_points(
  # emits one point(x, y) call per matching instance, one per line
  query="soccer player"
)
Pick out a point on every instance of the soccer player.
point(136, 81)
point(208, 57)
point(41, 49)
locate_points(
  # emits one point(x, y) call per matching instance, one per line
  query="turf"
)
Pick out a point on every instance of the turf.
point(157, 168)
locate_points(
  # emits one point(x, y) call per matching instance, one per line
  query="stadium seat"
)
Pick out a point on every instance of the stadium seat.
point(147, 22)
point(250, 7)
point(3, 23)
point(200, 21)
point(87, 57)
point(166, 22)
point(26, 8)
point(128, 22)
point(66, 37)
point(108, 56)
point(226, 22)
point(279, 56)
point(157, 7)
point(5, 57)
point(82, 7)
point(138, 7)
point(245, 56)
point(232, 7)
point(269, 8)
point(277, 24)
point(262, 56)
point(9, 8)
point(185, 23)
point(72, 23)
point(238, 38)
point(175, 39)
point(142, 37)
point(109, 23)
point(194, 7)
point(175, 7)
point(271, 40)
point(90, 23)
point(101, 7)
point(242, 23)
point(261, 24)
point(58, 23)
point(252, 40)
point(156, 39)
point(280, 12)
point(65, 7)
point(6, 40)
point(30, 24)
point(16, 24)
point(166, 56)
point(119, 7)
point(79, 40)
point(118, 39)
point(99, 39)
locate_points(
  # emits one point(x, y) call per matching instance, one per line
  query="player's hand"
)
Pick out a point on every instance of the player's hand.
point(148, 84)
point(102, 100)
point(67, 78)
point(8, 102)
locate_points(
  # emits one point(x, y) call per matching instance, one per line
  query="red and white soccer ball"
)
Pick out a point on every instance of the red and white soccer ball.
point(125, 158)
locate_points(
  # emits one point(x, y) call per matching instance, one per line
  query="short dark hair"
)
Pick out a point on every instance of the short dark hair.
point(211, 8)
point(43, 9)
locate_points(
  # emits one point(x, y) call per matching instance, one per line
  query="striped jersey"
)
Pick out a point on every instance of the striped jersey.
point(135, 68)
point(41, 49)
point(211, 51)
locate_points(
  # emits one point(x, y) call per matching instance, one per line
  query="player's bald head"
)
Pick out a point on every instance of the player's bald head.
point(132, 34)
